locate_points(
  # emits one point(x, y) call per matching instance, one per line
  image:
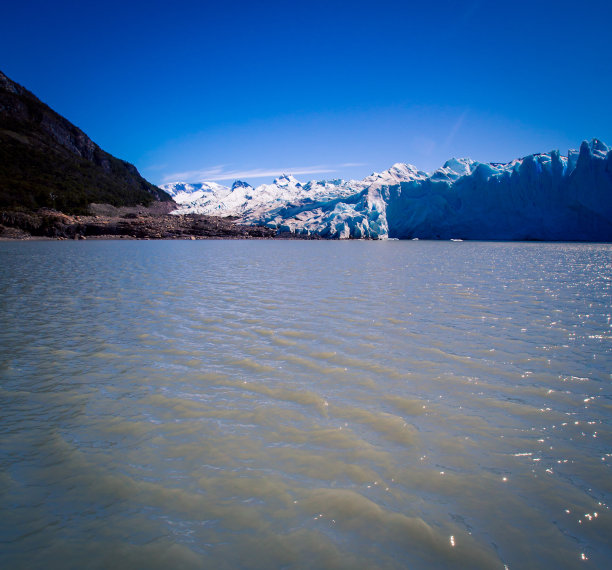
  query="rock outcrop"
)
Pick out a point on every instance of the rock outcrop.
point(124, 222)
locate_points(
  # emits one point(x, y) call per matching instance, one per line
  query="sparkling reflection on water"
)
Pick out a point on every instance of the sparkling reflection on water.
point(223, 404)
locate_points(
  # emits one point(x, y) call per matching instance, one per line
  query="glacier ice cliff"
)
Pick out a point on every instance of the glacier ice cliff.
point(539, 197)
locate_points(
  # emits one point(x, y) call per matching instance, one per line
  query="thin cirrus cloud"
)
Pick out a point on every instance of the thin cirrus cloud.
point(219, 173)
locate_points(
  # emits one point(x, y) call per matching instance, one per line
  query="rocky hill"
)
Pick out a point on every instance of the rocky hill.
point(47, 162)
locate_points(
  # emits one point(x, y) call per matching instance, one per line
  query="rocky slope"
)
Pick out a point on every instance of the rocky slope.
point(55, 182)
point(125, 222)
point(539, 197)
point(46, 161)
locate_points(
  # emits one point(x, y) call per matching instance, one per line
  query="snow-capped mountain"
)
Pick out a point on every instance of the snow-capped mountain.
point(453, 169)
point(183, 192)
point(244, 201)
point(541, 196)
point(397, 173)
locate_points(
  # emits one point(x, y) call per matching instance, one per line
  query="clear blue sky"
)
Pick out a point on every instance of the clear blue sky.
point(218, 90)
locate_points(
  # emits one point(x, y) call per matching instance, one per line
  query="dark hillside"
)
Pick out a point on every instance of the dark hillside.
point(46, 161)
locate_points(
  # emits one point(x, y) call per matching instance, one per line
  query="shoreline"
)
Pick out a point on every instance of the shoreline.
point(106, 222)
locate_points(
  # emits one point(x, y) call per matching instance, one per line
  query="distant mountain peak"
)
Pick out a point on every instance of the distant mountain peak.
point(285, 180)
point(399, 172)
point(454, 168)
point(240, 184)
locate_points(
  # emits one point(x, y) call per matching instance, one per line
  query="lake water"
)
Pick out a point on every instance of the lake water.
point(266, 404)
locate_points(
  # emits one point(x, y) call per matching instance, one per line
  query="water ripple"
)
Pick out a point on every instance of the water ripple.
point(268, 404)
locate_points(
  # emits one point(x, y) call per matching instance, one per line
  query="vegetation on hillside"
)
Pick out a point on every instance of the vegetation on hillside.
point(45, 161)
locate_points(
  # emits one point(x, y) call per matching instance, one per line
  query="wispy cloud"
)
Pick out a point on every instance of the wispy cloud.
point(351, 164)
point(455, 128)
point(221, 173)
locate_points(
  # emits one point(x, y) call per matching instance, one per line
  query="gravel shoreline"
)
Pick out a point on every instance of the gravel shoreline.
point(123, 223)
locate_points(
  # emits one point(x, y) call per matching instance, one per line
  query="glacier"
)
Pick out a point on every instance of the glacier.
point(543, 196)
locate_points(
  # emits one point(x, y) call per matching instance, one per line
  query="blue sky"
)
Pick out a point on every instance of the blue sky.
point(217, 91)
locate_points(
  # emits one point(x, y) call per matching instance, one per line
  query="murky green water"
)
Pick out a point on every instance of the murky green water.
point(225, 404)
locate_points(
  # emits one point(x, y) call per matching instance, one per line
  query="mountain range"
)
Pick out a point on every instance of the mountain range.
point(47, 162)
point(543, 196)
